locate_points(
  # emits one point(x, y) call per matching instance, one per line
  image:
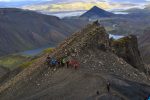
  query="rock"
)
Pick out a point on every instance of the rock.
point(38, 84)
point(127, 48)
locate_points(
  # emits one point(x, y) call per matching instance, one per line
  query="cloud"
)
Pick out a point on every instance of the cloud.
point(80, 5)
point(128, 1)
point(69, 5)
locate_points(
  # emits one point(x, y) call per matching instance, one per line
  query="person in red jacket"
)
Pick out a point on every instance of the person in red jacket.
point(74, 64)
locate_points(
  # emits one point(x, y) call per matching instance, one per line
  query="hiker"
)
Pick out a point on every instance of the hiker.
point(96, 22)
point(63, 62)
point(67, 59)
point(59, 62)
point(97, 93)
point(108, 87)
point(53, 62)
point(74, 64)
point(48, 59)
point(67, 62)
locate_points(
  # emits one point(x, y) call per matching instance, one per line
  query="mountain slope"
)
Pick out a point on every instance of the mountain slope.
point(90, 47)
point(3, 71)
point(23, 29)
point(96, 12)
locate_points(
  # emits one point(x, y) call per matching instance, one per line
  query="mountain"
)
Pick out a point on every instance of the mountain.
point(139, 12)
point(23, 29)
point(90, 47)
point(96, 12)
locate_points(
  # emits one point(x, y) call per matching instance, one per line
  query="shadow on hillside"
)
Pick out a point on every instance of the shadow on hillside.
point(131, 90)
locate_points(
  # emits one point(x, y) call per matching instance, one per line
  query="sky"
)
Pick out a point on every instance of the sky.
point(19, 0)
point(122, 1)
point(73, 5)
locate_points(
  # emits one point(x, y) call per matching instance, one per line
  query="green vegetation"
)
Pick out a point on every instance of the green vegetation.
point(27, 64)
point(49, 50)
point(12, 61)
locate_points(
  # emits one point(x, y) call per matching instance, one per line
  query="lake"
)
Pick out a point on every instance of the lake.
point(116, 37)
point(35, 52)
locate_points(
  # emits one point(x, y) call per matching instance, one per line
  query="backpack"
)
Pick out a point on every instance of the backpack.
point(64, 60)
point(53, 62)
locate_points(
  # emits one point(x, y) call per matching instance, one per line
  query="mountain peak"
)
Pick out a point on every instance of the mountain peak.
point(96, 12)
point(95, 7)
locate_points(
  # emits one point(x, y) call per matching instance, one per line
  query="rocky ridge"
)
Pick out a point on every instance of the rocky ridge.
point(97, 66)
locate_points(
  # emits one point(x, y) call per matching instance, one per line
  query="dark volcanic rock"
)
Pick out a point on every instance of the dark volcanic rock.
point(127, 48)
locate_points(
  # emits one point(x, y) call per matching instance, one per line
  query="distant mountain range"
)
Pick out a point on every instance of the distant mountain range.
point(97, 12)
point(145, 11)
point(22, 29)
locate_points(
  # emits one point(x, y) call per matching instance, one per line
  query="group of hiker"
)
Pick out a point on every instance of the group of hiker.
point(61, 62)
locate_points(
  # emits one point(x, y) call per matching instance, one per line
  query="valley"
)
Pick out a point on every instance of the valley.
point(23, 30)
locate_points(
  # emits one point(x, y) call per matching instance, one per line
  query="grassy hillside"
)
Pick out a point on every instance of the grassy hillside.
point(20, 60)
point(12, 61)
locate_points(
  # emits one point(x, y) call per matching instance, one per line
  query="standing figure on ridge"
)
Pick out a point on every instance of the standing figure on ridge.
point(108, 87)
point(48, 60)
point(63, 62)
